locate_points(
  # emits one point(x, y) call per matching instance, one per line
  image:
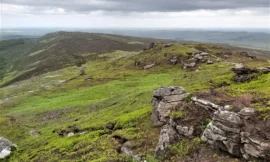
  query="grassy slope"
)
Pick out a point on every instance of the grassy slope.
point(119, 93)
point(31, 57)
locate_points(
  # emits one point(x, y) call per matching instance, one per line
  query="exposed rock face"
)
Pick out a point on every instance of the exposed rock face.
point(167, 45)
point(244, 71)
point(173, 60)
point(149, 66)
point(244, 74)
point(209, 106)
point(228, 132)
point(246, 54)
point(191, 65)
point(224, 132)
point(164, 101)
point(185, 130)
point(198, 57)
point(6, 147)
point(152, 45)
point(204, 54)
point(232, 132)
point(209, 62)
point(168, 135)
point(247, 113)
point(265, 70)
point(254, 148)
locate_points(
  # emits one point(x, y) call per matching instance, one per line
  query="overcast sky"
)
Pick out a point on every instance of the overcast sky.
point(136, 13)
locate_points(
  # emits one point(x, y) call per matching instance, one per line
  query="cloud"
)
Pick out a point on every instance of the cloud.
point(86, 6)
point(135, 13)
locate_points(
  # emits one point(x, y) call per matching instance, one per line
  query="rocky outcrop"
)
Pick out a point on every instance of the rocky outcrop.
point(199, 57)
point(6, 147)
point(244, 74)
point(228, 132)
point(224, 132)
point(232, 132)
point(195, 59)
point(164, 101)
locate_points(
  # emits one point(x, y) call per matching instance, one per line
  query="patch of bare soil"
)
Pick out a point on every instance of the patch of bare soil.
point(220, 98)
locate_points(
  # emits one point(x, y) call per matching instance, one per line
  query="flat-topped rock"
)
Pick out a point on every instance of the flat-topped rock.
point(164, 101)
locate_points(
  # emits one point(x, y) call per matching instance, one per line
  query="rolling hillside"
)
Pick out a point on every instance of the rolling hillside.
point(54, 114)
point(24, 58)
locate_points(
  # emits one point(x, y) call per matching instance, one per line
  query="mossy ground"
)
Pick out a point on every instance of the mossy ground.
point(119, 93)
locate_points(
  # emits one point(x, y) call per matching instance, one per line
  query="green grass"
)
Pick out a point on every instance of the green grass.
point(119, 93)
point(86, 96)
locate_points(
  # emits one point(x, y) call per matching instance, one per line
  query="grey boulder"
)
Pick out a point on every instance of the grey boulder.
point(6, 147)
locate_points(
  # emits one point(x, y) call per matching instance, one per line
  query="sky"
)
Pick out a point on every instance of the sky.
point(135, 13)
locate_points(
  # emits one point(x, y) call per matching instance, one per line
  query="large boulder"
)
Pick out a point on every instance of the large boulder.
point(6, 147)
point(164, 101)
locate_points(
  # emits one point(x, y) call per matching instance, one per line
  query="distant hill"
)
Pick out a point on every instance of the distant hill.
point(254, 40)
point(28, 57)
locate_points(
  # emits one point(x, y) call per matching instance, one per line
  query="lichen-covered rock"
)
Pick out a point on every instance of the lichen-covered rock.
point(149, 66)
point(254, 147)
point(173, 60)
point(232, 132)
point(227, 132)
point(6, 147)
point(190, 65)
point(209, 62)
point(164, 101)
point(224, 132)
point(211, 107)
point(247, 113)
point(185, 130)
point(244, 74)
point(168, 135)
